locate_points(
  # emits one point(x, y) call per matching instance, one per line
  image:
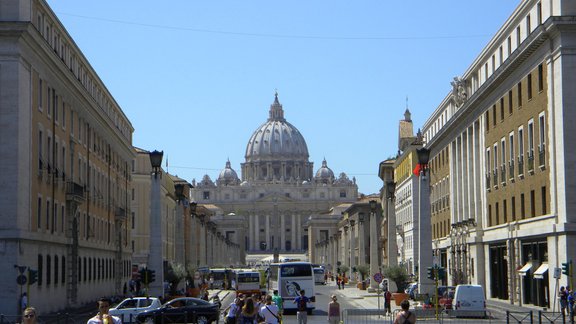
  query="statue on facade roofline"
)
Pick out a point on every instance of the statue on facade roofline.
point(459, 91)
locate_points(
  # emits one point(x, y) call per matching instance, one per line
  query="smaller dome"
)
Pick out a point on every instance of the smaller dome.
point(343, 180)
point(206, 182)
point(324, 174)
point(228, 176)
point(245, 184)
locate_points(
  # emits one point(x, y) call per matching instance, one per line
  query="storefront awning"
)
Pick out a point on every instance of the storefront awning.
point(525, 269)
point(539, 273)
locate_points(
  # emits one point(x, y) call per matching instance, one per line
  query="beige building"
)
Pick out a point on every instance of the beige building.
point(65, 169)
point(268, 207)
point(502, 167)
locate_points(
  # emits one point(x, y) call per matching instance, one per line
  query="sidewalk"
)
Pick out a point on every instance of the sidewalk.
point(370, 300)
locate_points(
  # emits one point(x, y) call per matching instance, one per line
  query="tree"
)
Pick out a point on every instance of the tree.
point(364, 270)
point(397, 274)
point(174, 274)
point(344, 269)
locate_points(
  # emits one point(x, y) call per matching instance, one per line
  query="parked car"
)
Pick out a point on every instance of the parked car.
point(182, 310)
point(130, 307)
point(469, 301)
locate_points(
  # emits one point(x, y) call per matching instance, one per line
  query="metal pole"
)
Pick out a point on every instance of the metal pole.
point(436, 292)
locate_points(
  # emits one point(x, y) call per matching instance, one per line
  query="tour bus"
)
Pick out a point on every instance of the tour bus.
point(221, 278)
point(289, 278)
point(319, 276)
point(248, 282)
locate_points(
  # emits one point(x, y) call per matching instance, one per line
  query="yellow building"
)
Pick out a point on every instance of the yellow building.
point(65, 169)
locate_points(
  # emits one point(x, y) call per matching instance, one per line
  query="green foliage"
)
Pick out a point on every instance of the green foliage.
point(364, 270)
point(344, 269)
point(397, 274)
point(174, 274)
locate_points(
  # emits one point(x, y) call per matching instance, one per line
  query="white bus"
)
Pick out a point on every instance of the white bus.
point(319, 276)
point(248, 282)
point(289, 278)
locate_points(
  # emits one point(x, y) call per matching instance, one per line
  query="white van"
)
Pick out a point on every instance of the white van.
point(469, 301)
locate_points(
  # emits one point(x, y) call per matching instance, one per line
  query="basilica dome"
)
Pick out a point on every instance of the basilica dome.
point(228, 176)
point(276, 139)
point(324, 174)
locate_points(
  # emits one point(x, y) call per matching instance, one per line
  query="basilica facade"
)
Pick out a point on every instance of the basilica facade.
point(266, 209)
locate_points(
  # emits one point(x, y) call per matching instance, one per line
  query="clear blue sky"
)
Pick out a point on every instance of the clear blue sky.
point(196, 78)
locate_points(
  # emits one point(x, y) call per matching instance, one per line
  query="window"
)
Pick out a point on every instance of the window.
point(518, 37)
point(531, 138)
point(502, 109)
point(513, 208)
point(520, 148)
point(501, 54)
point(541, 133)
point(206, 195)
point(505, 210)
point(40, 270)
point(540, 78)
point(39, 215)
point(489, 215)
point(520, 94)
point(40, 94)
point(56, 272)
point(543, 197)
point(494, 115)
point(486, 71)
point(511, 147)
point(528, 25)
point(48, 209)
point(63, 269)
point(509, 45)
point(510, 108)
point(532, 203)
point(522, 207)
point(539, 12)
point(497, 208)
point(133, 220)
point(487, 116)
point(40, 157)
point(343, 194)
point(529, 86)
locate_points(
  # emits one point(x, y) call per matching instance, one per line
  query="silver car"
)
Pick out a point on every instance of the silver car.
point(130, 307)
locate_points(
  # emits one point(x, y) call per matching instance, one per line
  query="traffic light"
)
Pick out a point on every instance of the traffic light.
point(430, 273)
point(144, 276)
point(151, 275)
point(32, 276)
point(566, 268)
point(441, 273)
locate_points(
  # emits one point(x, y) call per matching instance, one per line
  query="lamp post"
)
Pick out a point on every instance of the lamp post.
point(156, 257)
point(426, 286)
point(392, 248)
point(373, 226)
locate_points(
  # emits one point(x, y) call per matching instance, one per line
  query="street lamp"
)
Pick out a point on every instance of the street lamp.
point(156, 257)
point(373, 226)
point(425, 259)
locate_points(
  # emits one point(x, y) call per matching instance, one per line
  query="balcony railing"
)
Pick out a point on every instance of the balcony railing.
point(520, 165)
point(488, 180)
point(503, 173)
point(75, 191)
point(495, 176)
point(511, 169)
point(542, 155)
point(531, 160)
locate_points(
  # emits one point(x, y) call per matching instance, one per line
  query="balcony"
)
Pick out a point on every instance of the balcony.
point(503, 173)
point(75, 192)
point(120, 215)
point(511, 169)
point(488, 180)
point(542, 155)
point(521, 166)
point(495, 176)
point(530, 161)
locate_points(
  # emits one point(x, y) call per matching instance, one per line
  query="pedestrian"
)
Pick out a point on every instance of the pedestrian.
point(277, 299)
point(387, 300)
point(269, 312)
point(563, 300)
point(338, 281)
point(233, 284)
point(302, 307)
point(405, 316)
point(29, 316)
point(570, 297)
point(103, 317)
point(249, 312)
point(334, 311)
point(233, 311)
point(23, 302)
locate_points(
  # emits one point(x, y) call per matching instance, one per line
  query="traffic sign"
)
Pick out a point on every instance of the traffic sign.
point(378, 277)
point(21, 280)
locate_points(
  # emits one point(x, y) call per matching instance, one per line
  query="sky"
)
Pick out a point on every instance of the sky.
point(197, 78)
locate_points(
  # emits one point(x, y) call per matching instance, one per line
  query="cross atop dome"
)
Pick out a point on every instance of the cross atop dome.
point(276, 111)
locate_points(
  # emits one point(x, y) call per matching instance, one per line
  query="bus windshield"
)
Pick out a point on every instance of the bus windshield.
point(295, 270)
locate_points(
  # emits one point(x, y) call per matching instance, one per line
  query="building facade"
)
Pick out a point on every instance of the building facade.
point(65, 168)
point(277, 192)
point(501, 165)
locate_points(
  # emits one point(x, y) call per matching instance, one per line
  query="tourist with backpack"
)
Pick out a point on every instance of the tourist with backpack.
point(405, 316)
point(302, 307)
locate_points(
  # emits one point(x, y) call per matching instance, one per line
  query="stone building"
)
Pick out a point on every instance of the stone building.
point(267, 208)
point(501, 165)
point(65, 170)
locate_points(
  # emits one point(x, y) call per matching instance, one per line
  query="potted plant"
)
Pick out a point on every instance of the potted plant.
point(400, 277)
point(364, 270)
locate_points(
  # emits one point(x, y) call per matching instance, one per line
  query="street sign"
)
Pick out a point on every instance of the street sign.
point(378, 277)
point(21, 280)
point(557, 273)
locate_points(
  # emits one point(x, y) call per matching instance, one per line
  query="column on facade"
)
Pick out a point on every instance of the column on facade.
point(424, 235)
point(361, 243)
point(373, 226)
point(256, 233)
point(203, 243)
point(267, 232)
point(293, 231)
point(282, 232)
point(299, 232)
point(392, 236)
point(352, 238)
point(331, 249)
point(346, 248)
